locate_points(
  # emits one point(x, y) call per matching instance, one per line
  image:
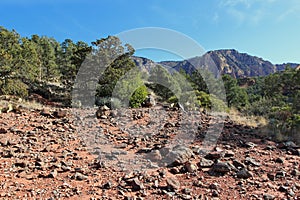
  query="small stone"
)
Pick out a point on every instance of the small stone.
point(190, 167)
point(169, 124)
point(290, 144)
point(186, 196)
point(268, 197)
point(283, 188)
point(205, 163)
point(4, 142)
point(218, 149)
point(251, 161)
point(295, 152)
point(3, 131)
point(80, 177)
point(220, 167)
point(103, 111)
point(215, 193)
point(229, 154)
point(213, 155)
point(46, 112)
point(270, 186)
point(162, 173)
point(280, 174)
point(107, 185)
point(271, 176)
point(198, 183)
point(245, 174)
point(279, 160)
point(154, 156)
point(60, 113)
point(7, 109)
point(66, 168)
point(53, 174)
point(173, 184)
point(187, 191)
point(105, 108)
point(238, 164)
point(21, 164)
point(2, 194)
point(250, 145)
point(214, 186)
point(291, 193)
point(269, 147)
point(175, 170)
point(47, 149)
point(295, 172)
point(137, 185)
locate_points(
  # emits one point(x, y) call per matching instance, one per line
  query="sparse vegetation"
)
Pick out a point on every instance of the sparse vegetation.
point(44, 66)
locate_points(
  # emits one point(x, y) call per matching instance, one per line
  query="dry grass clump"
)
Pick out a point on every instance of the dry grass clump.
point(252, 121)
point(8, 103)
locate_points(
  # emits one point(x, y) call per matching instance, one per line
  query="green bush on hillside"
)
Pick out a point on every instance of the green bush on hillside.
point(197, 99)
point(14, 87)
point(138, 97)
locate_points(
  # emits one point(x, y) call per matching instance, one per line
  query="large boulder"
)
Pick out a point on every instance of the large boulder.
point(178, 156)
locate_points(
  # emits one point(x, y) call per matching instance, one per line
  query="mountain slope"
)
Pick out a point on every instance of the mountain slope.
point(227, 61)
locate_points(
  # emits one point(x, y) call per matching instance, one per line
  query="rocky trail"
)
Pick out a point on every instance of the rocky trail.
point(65, 154)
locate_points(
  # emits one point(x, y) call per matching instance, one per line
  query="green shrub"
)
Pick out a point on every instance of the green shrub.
point(197, 98)
point(15, 87)
point(173, 99)
point(138, 97)
point(218, 105)
point(204, 99)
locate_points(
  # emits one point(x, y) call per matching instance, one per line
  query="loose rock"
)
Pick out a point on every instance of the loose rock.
point(80, 177)
point(220, 168)
point(244, 174)
point(173, 184)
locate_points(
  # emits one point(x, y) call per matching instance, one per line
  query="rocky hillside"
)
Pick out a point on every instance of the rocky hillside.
point(226, 61)
point(44, 156)
point(144, 64)
point(281, 67)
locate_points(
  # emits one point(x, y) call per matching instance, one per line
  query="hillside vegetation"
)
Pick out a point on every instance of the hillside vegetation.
point(41, 65)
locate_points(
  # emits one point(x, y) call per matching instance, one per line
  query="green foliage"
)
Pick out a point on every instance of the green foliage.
point(14, 87)
point(163, 83)
point(111, 51)
point(218, 105)
point(278, 100)
point(211, 102)
point(204, 98)
point(37, 60)
point(47, 49)
point(260, 107)
point(27, 62)
point(189, 100)
point(198, 81)
point(127, 85)
point(236, 96)
point(138, 97)
point(172, 99)
point(17, 63)
point(196, 99)
point(112, 75)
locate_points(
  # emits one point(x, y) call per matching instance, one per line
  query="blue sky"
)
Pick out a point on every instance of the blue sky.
point(265, 28)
